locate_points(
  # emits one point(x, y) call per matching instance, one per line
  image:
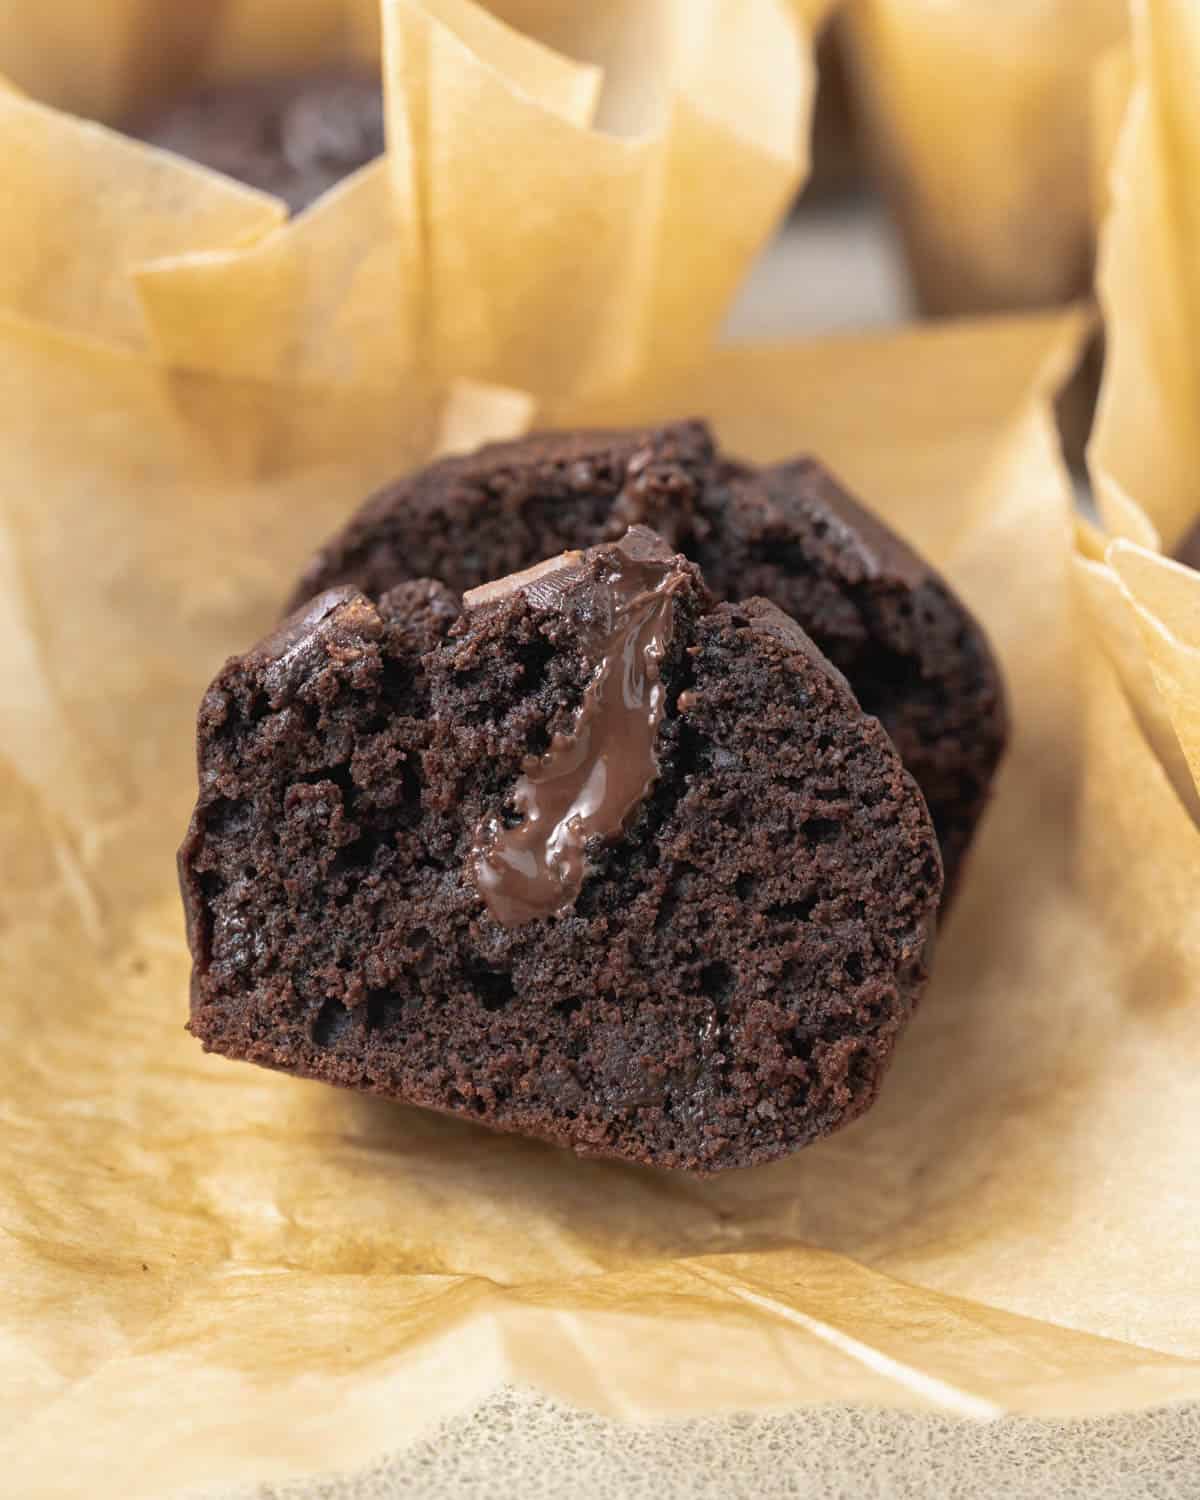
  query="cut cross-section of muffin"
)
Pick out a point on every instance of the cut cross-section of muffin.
point(588, 857)
point(910, 649)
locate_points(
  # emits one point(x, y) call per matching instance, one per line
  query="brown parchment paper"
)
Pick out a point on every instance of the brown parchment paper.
point(1145, 452)
point(213, 1276)
point(979, 116)
point(545, 166)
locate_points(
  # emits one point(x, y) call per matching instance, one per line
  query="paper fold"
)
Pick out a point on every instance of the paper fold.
point(1145, 451)
point(524, 228)
point(214, 1276)
point(308, 1252)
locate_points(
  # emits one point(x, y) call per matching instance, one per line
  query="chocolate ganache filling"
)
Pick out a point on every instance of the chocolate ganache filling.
point(593, 777)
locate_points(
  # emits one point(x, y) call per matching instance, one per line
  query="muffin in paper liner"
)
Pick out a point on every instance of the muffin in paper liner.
point(220, 1277)
point(216, 1278)
point(979, 117)
point(524, 228)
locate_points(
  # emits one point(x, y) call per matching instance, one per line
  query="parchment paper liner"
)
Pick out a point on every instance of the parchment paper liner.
point(1013, 1228)
point(980, 117)
point(525, 228)
point(1145, 455)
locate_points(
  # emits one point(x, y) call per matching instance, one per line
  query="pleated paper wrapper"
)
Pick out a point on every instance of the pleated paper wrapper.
point(1146, 447)
point(522, 228)
point(213, 1277)
point(980, 120)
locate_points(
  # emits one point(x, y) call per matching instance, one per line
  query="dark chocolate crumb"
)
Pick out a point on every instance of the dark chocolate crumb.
point(733, 977)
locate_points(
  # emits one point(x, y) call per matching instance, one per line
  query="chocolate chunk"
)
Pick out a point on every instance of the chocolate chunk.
point(736, 959)
point(294, 137)
point(912, 652)
point(595, 775)
point(543, 583)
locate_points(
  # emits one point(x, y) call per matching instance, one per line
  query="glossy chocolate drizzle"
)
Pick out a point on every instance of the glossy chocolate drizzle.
point(590, 780)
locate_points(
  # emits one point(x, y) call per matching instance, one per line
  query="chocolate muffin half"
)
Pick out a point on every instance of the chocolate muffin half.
point(589, 857)
point(294, 137)
point(911, 650)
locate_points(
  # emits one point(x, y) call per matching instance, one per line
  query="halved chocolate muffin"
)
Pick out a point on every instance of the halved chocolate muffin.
point(911, 650)
point(587, 856)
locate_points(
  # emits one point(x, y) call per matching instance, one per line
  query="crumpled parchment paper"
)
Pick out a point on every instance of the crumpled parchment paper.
point(211, 1276)
point(980, 119)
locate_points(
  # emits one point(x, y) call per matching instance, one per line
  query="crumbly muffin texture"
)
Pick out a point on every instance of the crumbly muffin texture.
point(731, 979)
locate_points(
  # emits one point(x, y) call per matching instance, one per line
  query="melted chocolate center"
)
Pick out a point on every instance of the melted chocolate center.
point(592, 779)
